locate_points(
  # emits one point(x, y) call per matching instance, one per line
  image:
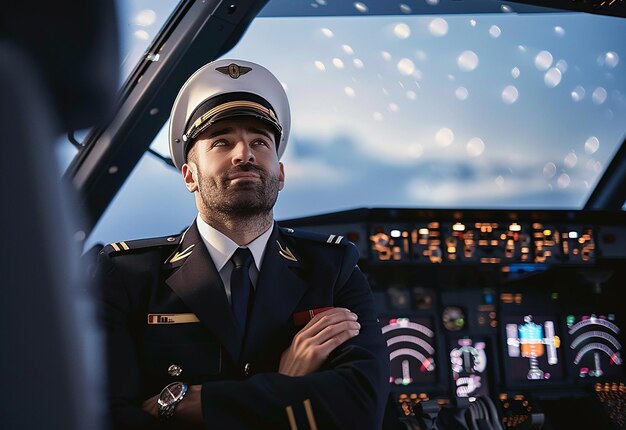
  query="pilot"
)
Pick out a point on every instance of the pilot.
point(238, 323)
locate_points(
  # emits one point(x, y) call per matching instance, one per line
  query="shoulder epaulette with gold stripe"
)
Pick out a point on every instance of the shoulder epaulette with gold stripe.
point(332, 239)
point(131, 245)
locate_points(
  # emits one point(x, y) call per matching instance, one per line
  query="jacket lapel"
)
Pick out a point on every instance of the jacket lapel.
point(199, 286)
point(278, 291)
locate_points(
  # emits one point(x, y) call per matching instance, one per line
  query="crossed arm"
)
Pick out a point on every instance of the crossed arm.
point(309, 349)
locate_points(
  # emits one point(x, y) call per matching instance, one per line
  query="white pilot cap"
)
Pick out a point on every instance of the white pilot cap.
point(224, 89)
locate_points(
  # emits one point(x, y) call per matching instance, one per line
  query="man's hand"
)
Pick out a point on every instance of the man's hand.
point(188, 412)
point(312, 345)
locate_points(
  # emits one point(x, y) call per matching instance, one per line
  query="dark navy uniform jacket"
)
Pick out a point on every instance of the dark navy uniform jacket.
point(164, 304)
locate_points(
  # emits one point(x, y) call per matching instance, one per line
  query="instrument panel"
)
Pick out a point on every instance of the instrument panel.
point(518, 308)
point(484, 242)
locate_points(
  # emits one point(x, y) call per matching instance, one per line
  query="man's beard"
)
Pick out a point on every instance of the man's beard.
point(241, 199)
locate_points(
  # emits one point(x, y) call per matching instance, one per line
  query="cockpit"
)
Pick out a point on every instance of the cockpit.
point(472, 150)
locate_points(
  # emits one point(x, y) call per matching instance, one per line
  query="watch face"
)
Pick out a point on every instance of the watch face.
point(171, 393)
point(170, 396)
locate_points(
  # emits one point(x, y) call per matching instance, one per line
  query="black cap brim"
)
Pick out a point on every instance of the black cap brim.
point(227, 106)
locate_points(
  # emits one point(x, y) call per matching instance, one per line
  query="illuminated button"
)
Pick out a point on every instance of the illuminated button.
point(174, 370)
point(247, 369)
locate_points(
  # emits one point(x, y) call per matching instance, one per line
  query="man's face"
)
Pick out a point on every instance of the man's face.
point(234, 168)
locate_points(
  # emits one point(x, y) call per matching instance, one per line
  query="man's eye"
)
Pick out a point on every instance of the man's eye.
point(260, 142)
point(219, 143)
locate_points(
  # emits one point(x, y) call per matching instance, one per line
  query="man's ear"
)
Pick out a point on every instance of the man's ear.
point(281, 177)
point(190, 176)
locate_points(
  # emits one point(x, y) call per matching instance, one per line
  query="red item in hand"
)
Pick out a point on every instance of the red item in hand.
point(302, 318)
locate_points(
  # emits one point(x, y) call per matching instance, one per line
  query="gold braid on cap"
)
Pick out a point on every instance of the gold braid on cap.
point(197, 127)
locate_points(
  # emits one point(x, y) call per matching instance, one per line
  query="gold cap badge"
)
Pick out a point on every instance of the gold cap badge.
point(234, 70)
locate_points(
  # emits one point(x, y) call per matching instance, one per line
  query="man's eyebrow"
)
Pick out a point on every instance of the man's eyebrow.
point(263, 131)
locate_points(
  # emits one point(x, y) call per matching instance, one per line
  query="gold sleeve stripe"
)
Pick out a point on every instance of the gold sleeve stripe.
point(126, 248)
point(309, 414)
point(291, 418)
point(115, 247)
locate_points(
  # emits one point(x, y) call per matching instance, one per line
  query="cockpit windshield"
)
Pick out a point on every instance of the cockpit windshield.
point(516, 108)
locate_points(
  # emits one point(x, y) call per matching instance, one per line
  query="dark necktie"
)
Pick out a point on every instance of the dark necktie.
point(241, 286)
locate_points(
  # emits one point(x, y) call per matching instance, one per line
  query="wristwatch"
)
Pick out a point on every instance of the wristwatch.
point(170, 396)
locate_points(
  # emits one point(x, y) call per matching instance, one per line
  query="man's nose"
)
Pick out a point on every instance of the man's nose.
point(242, 153)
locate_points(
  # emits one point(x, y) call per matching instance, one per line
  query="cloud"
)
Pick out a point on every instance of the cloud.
point(311, 174)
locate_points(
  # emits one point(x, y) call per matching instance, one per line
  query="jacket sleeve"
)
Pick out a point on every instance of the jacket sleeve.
point(350, 391)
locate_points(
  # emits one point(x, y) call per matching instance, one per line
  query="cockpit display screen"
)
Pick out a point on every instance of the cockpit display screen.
point(411, 345)
point(533, 348)
point(594, 345)
point(468, 361)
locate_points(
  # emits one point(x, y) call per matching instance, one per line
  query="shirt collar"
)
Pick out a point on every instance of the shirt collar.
point(221, 247)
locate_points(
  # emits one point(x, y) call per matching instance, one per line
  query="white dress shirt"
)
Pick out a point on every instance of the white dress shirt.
point(221, 248)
